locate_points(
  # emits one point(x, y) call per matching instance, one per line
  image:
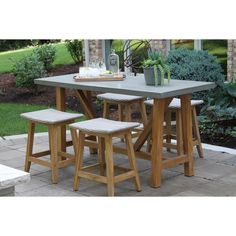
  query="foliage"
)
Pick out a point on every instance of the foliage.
point(218, 116)
point(7, 59)
point(195, 65)
point(46, 54)
point(158, 62)
point(27, 69)
point(135, 52)
point(75, 48)
point(138, 56)
point(6, 45)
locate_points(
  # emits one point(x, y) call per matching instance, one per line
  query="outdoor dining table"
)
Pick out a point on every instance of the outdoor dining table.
point(135, 85)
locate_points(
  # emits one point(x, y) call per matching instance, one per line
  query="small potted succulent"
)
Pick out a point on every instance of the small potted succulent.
point(155, 69)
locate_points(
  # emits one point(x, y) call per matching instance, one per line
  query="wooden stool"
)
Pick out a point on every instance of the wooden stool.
point(105, 130)
point(124, 103)
point(53, 119)
point(175, 107)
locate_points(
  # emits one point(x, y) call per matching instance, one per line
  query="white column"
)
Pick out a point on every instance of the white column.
point(103, 50)
point(126, 69)
point(198, 44)
point(86, 52)
point(168, 46)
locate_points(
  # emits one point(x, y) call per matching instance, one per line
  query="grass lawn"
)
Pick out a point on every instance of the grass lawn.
point(12, 123)
point(7, 58)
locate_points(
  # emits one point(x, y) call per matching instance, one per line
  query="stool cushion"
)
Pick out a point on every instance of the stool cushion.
point(118, 97)
point(50, 116)
point(103, 126)
point(175, 103)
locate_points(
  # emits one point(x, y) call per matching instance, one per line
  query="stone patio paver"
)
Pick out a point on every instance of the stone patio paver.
point(215, 175)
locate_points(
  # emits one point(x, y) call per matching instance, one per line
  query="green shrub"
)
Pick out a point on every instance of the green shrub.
point(75, 48)
point(195, 65)
point(218, 116)
point(46, 54)
point(138, 56)
point(27, 69)
point(6, 45)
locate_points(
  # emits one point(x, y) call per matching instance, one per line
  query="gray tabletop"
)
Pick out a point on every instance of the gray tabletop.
point(132, 85)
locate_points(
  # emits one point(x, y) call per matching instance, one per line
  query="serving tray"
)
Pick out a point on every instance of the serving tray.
point(79, 78)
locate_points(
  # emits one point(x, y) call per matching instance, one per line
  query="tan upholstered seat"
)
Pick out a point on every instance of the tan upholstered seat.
point(124, 103)
point(175, 103)
point(54, 120)
point(50, 116)
point(105, 130)
point(118, 97)
point(101, 125)
point(174, 107)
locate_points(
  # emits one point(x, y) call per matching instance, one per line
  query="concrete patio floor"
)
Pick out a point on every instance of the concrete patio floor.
point(215, 175)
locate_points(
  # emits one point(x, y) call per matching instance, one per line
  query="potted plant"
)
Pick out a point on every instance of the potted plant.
point(155, 69)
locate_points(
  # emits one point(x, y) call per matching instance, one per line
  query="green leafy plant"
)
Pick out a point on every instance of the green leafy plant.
point(46, 53)
point(75, 48)
point(26, 70)
point(157, 61)
point(195, 65)
point(7, 44)
point(218, 116)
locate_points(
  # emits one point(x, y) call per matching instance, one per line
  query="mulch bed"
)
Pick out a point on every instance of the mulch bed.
point(46, 96)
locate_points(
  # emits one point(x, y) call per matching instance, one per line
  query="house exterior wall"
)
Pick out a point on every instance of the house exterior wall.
point(231, 60)
point(161, 45)
point(95, 49)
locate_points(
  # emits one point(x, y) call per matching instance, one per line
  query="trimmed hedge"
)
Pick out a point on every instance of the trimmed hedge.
point(195, 65)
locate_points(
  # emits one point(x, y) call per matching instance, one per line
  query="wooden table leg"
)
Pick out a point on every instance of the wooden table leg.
point(157, 142)
point(86, 103)
point(187, 134)
point(61, 106)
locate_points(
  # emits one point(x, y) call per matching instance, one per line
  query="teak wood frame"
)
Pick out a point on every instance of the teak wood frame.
point(57, 149)
point(158, 162)
point(105, 148)
point(124, 111)
point(178, 136)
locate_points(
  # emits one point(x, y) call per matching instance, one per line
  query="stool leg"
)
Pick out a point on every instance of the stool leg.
point(106, 109)
point(197, 133)
point(79, 150)
point(131, 156)
point(179, 133)
point(128, 113)
point(101, 155)
point(143, 112)
point(149, 145)
point(149, 139)
point(53, 142)
point(120, 112)
point(109, 166)
point(121, 115)
point(30, 143)
point(168, 128)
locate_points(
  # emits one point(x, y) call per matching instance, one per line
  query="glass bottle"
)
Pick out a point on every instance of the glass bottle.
point(113, 62)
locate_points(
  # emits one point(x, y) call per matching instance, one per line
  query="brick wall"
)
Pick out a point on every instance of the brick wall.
point(95, 49)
